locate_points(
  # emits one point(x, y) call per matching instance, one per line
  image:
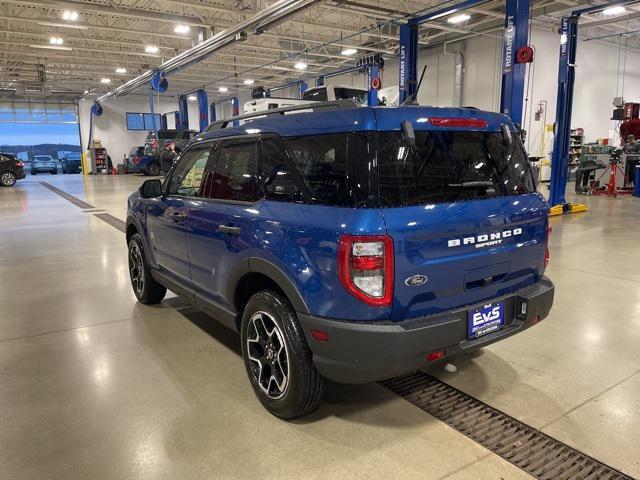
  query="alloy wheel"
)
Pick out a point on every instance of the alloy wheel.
point(7, 179)
point(136, 268)
point(268, 356)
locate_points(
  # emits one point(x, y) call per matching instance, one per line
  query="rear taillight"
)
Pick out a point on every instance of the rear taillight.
point(19, 164)
point(458, 122)
point(365, 268)
point(136, 160)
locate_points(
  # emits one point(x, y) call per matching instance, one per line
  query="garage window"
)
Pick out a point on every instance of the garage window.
point(143, 121)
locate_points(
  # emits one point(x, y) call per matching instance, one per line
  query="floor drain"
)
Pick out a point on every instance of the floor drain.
point(525, 447)
point(70, 198)
point(111, 220)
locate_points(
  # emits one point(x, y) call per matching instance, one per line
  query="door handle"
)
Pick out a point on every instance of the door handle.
point(178, 216)
point(229, 229)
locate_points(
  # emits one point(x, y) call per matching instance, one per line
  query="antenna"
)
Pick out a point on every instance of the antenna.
point(412, 99)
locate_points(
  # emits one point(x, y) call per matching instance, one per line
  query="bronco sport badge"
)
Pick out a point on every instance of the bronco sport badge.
point(486, 239)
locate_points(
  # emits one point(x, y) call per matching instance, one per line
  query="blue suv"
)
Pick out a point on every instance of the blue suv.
point(349, 244)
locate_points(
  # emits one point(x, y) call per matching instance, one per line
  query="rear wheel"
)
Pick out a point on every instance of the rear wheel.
point(153, 170)
point(7, 179)
point(145, 288)
point(277, 358)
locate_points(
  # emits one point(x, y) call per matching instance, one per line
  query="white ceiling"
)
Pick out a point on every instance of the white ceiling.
point(112, 34)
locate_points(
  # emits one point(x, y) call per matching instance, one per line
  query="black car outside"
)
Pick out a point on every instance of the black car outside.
point(11, 169)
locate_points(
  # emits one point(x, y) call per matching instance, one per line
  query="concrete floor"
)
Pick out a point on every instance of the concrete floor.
point(95, 385)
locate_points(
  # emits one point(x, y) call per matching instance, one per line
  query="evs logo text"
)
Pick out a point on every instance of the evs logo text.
point(480, 318)
point(486, 239)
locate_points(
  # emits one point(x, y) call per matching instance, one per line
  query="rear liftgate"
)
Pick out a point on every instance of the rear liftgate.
point(525, 447)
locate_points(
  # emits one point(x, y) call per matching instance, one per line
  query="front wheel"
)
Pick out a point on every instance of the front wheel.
point(8, 179)
point(145, 287)
point(277, 358)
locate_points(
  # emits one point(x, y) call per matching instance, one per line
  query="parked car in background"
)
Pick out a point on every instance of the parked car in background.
point(72, 162)
point(352, 245)
point(11, 169)
point(139, 162)
point(43, 163)
point(155, 140)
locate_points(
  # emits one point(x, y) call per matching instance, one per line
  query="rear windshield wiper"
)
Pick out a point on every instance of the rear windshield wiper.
point(472, 185)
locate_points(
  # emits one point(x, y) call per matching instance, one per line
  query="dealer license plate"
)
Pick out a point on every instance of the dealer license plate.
point(486, 319)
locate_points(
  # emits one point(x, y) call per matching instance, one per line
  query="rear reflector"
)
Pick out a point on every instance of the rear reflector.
point(19, 164)
point(435, 355)
point(534, 320)
point(458, 122)
point(319, 335)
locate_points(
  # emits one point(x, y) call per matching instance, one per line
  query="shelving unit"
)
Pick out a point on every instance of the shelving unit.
point(575, 150)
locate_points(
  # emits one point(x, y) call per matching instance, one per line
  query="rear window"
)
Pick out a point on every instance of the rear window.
point(356, 94)
point(450, 166)
point(316, 95)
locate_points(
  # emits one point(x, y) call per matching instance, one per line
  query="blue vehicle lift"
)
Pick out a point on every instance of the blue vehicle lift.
point(373, 79)
point(513, 74)
point(203, 109)
point(235, 108)
point(301, 84)
point(564, 105)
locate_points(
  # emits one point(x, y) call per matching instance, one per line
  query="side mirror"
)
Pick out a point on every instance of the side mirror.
point(507, 137)
point(150, 189)
point(408, 134)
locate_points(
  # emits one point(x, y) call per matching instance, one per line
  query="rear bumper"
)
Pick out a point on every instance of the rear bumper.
point(365, 352)
point(20, 174)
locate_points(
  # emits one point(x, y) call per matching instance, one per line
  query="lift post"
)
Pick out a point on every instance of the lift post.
point(203, 108)
point(183, 113)
point(373, 71)
point(516, 36)
point(564, 105)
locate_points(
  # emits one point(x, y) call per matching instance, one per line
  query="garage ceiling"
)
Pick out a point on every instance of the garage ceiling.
point(118, 39)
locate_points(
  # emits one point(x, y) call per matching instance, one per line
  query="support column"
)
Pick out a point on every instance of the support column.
point(212, 112)
point(373, 75)
point(564, 105)
point(235, 110)
point(183, 110)
point(516, 35)
point(203, 109)
point(408, 61)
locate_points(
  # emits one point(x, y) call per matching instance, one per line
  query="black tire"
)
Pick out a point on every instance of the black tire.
point(144, 286)
point(7, 178)
point(153, 169)
point(55, 172)
point(297, 388)
point(33, 172)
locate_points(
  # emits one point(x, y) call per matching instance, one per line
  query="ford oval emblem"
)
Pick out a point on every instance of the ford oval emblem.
point(416, 280)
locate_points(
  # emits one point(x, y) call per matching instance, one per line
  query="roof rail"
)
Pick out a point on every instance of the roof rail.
point(313, 106)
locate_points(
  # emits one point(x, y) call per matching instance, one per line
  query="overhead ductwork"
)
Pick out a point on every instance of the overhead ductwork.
point(259, 22)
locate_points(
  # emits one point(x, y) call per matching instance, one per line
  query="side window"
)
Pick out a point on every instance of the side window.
point(187, 175)
point(280, 184)
point(235, 173)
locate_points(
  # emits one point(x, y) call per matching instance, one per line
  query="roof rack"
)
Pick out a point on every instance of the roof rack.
point(313, 106)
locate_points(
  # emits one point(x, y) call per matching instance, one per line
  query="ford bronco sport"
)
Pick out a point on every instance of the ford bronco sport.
point(350, 244)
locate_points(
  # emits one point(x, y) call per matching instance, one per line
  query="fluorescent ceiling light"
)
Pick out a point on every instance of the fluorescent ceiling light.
point(56, 41)
point(182, 29)
point(300, 65)
point(616, 10)
point(348, 52)
point(223, 89)
point(463, 17)
point(248, 81)
point(121, 70)
point(63, 25)
point(192, 98)
point(151, 49)
point(70, 15)
point(105, 80)
point(51, 47)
